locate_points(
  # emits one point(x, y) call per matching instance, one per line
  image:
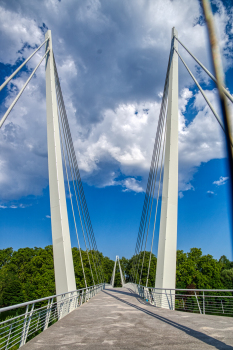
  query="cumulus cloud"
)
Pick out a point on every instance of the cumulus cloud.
point(222, 180)
point(132, 184)
point(111, 60)
point(210, 194)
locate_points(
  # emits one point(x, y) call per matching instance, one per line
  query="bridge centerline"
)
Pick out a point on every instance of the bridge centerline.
point(116, 316)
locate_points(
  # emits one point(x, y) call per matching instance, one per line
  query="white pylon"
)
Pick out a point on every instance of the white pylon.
point(62, 253)
point(166, 259)
point(114, 272)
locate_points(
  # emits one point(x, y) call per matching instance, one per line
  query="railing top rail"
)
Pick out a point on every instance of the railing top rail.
point(187, 289)
point(7, 308)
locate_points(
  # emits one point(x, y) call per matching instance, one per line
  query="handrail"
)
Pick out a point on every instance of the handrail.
point(185, 289)
point(35, 318)
point(199, 300)
point(7, 308)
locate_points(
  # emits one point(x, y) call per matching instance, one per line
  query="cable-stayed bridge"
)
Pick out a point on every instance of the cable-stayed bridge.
point(137, 315)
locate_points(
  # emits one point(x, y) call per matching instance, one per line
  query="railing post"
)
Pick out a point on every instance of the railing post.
point(222, 307)
point(76, 300)
point(203, 303)
point(70, 303)
point(38, 322)
point(61, 306)
point(172, 306)
point(48, 312)
point(28, 322)
point(24, 327)
point(198, 302)
point(8, 339)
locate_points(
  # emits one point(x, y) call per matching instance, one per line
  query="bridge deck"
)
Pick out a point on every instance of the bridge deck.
point(118, 319)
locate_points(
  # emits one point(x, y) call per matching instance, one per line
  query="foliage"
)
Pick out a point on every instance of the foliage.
point(28, 273)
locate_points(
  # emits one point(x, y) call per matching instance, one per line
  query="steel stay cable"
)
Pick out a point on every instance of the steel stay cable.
point(155, 160)
point(87, 217)
point(72, 204)
point(147, 195)
point(149, 184)
point(161, 111)
point(21, 66)
point(68, 155)
point(74, 160)
point(148, 189)
point(158, 148)
point(146, 200)
point(81, 220)
point(142, 233)
point(21, 91)
point(206, 70)
point(152, 242)
point(161, 148)
point(71, 171)
point(78, 187)
point(87, 222)
point(154, 172)
point(203, 94)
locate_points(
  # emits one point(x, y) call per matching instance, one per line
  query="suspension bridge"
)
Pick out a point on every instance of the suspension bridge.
point(134, 316)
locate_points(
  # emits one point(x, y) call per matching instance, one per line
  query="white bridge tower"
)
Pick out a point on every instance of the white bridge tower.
point(166, 259)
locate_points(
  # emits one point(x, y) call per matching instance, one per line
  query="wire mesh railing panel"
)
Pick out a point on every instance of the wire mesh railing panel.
point(34, 317)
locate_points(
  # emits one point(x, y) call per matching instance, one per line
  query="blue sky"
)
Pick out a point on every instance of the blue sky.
point(111, 60)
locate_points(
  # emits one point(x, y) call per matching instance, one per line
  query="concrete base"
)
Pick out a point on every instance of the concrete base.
point(118, 319)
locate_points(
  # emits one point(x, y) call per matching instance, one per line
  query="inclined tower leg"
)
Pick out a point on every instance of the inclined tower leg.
point(166, 259)
point(62, 253)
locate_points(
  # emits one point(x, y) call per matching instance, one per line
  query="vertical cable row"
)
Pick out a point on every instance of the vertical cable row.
point(84, 216)
point(157, 156)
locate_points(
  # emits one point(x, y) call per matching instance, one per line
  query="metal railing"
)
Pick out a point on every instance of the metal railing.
point(202, 301)
point(33, 317)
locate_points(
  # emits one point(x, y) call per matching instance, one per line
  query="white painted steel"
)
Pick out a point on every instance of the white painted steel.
point(14, 332)
point(206, 70)
point(20, 67)
point(202, 301)
point(114, 273)
point(166, 261)
point(21, 91)
point(62, 253)
point(203, 94)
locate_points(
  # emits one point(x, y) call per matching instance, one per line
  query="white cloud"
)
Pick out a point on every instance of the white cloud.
point(132, 184)
point(48, 216)
point(16, 31)
point(112, 74)
point(222, 180)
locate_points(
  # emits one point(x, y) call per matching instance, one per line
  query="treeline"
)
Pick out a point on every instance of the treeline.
point(28, 273)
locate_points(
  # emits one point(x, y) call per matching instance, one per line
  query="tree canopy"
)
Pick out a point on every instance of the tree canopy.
point(28, 273)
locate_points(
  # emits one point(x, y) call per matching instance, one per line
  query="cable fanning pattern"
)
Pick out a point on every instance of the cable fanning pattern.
point(158, 154)
point(84, 216)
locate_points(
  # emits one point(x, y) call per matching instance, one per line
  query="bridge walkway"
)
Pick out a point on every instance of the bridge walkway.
point(116, 318)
